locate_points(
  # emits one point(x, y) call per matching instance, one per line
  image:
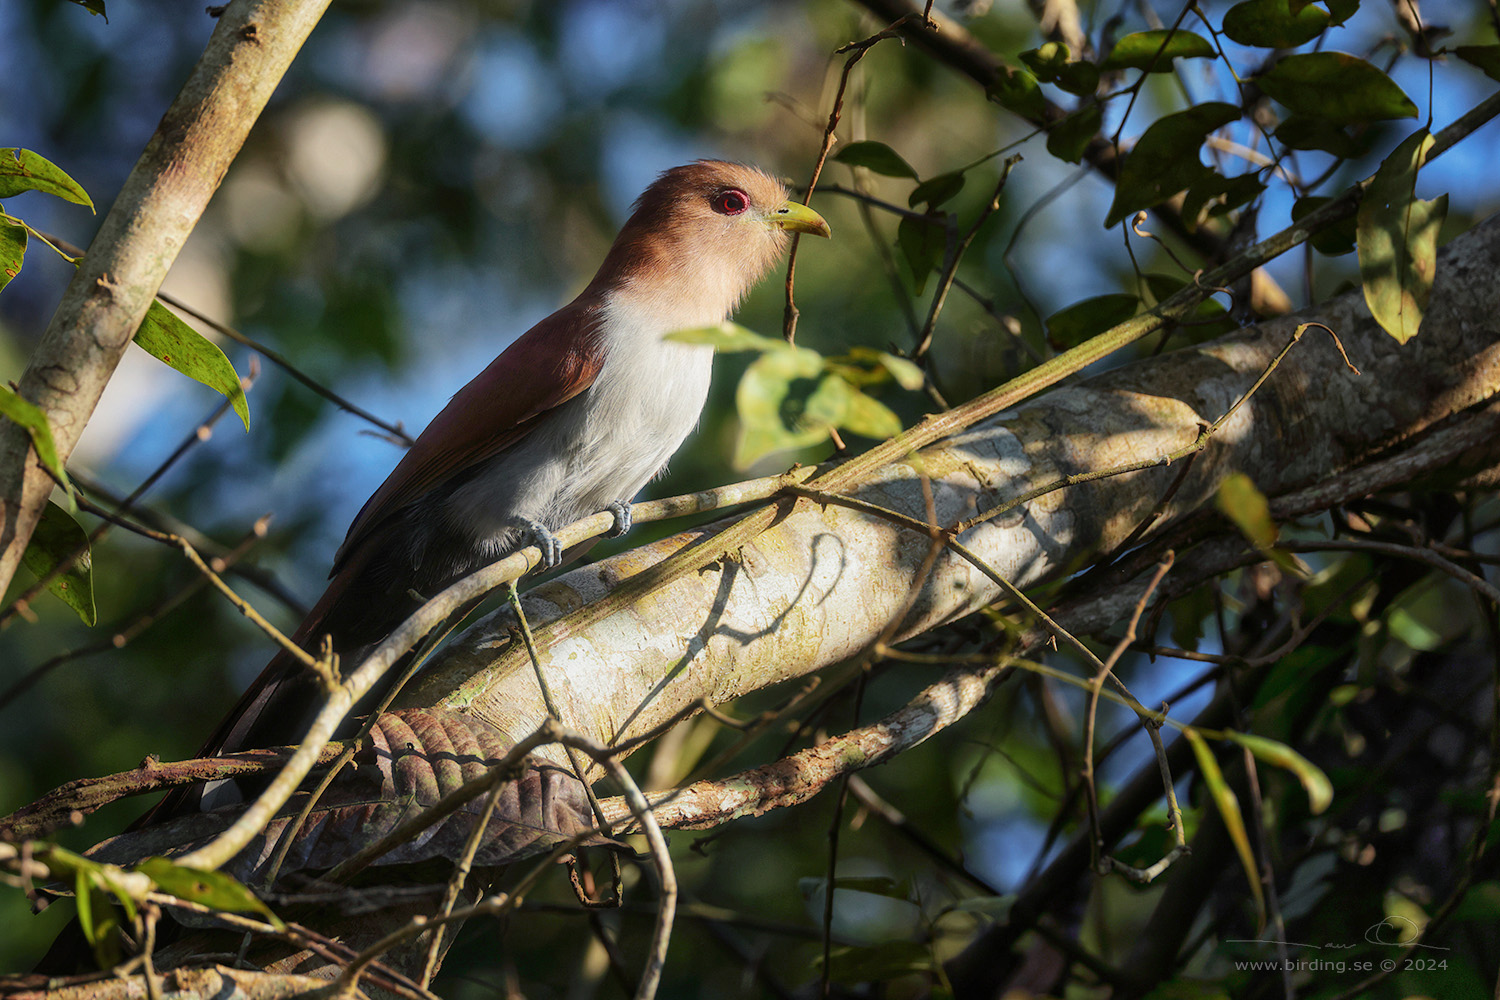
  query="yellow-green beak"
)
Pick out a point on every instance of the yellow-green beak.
point(799, 218)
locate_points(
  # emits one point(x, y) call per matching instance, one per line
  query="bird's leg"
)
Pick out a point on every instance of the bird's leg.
point(543, 538)
point(621, 510)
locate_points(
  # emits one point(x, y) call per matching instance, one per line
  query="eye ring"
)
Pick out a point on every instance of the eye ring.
point(731, 202)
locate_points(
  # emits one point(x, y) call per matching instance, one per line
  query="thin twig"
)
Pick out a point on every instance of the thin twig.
point(857, 50)
point(199, 434)
point(1096, 685)
point(121, 637)
point(950, 270)
point(277, 359)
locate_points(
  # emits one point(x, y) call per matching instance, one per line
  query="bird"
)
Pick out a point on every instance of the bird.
point(574, 417)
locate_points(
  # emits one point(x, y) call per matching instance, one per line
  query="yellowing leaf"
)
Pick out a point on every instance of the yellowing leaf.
point(727, 338)
point(866, 416)
point(1314, 781)
point(1397, 240)
point(1228, 805)
point(1240, 501)
point(770, 407)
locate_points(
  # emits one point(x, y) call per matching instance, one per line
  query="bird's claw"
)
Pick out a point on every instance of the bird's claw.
point(543, 538)
point(621, 510)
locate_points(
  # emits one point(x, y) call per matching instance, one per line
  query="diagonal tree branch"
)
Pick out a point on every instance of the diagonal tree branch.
point(628, 643)
point(160, 203)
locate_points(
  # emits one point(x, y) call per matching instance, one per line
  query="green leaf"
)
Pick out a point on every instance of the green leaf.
point(727, 338)
point(770, 408)
point(95, 7)
point(210, 888)
point(1272, 24)
point(876, 156)
point(887, 960)
point(23, 170)
point(56, 538)
point(937, 190)
point(922, 242)
point(1047, 60)
point(864, 366)
point(1209, 318)
point(1277, 754)
point(1189, 612)
point(12, 249)
point(1240, 501)
point(1069, 136)
point(1228, 806)
point(994, 907)
point(907, 374)
point(1143, 50)
point(1053, 63)
point(1310, 132)
point(1213, 195)
point(1481, 903)
point(1337, 239)
point(1165, 160)
point(867, 416)
point(166, 337)
point(35, 422)
point(1081, 78)
point(1341, 88)
point(1016, 90)
point(1397, 240)
point(1341, 10)
point(1484, 57)
point(1082, 320)
point(98, 920)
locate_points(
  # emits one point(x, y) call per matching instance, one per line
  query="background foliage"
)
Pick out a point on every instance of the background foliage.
point(435, 176)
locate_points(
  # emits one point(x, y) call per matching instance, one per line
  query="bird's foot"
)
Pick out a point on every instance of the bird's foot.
point(542, 537)
point(621, 510)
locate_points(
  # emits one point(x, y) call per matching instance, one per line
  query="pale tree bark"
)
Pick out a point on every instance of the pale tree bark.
point(160, 203)
point(624, 650)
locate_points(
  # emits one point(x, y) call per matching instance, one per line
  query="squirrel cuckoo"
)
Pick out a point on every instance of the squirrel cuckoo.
point(572, 418)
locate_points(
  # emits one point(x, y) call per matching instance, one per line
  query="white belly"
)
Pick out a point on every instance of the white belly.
point(602, 445)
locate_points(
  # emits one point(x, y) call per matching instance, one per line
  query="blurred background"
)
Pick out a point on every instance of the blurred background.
point(430, 179)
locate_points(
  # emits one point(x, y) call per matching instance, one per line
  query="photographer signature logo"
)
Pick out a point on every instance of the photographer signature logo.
point(1388, 933)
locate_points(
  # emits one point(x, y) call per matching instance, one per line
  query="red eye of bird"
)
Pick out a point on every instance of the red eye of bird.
point(731, 202)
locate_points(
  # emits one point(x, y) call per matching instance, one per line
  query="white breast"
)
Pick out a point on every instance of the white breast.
point(604, 444)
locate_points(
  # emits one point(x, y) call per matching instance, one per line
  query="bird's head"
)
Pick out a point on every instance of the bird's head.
point(701, 236)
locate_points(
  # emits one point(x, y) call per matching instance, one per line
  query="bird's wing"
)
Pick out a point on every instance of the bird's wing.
point(546, 366)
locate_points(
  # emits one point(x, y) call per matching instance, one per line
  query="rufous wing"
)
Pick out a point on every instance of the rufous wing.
point(545, 367)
